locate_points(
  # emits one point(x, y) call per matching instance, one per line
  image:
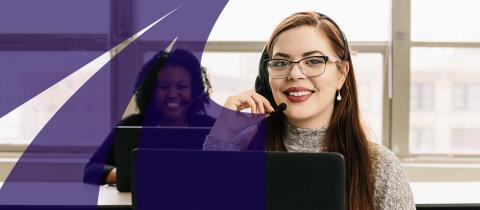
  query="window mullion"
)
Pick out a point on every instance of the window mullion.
point(401, 45)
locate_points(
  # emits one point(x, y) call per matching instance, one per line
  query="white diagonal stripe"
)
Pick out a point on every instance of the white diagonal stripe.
point(131, 104)
point(79, 77)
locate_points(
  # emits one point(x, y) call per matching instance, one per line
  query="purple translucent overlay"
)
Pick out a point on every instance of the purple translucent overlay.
point(51, 170)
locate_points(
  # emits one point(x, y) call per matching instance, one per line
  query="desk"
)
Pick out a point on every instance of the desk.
point(446, 195)
point(427, 195)
point(108, 197)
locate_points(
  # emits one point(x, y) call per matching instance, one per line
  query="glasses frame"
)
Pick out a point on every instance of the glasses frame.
point(324, 57)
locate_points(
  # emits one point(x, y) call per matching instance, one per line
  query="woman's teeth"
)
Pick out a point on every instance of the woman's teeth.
point(300, 93)
point(173, 105)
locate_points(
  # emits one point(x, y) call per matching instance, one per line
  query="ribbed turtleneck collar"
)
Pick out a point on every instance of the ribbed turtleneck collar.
point(304, 139)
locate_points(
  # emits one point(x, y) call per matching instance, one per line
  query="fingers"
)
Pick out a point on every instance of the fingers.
point(251, 103)
point(240, 102)
point(268, 106)
point(249, 99)
point(263, 104)
point(259, 102)
point(232, 104)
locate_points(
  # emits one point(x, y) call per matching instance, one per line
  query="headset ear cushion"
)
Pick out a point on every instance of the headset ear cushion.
point(258, 86)
point(262, 75)
point(262, 86)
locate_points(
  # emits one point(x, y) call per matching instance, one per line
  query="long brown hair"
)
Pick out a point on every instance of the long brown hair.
point(344, 134)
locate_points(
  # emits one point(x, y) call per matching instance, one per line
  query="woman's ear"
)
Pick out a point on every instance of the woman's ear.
point(342, 74)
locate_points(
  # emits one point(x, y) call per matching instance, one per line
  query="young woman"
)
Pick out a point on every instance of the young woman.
point(171, 90)
point(307, 65)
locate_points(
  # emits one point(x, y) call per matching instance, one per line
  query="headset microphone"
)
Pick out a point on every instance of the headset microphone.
point(282, 107)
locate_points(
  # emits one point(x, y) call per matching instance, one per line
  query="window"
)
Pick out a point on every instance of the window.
point(466, 97)
point(42, 48)
point(230, 72)
point(229, 27)
point(465, 140)
point(38, 71)
point(44, 18)
point(439, 58)
point(369, 72)
point(423, 65)
point(440, 21)
point(421, 98)
point(459, 97)
point(440, 88)
point(422, 139)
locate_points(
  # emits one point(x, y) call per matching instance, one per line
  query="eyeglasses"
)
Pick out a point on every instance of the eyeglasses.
point(310, 66)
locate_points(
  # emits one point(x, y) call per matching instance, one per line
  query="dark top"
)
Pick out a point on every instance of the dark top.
point(98, 162)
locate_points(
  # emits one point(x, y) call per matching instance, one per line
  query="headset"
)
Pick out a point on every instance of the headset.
point(262, 86)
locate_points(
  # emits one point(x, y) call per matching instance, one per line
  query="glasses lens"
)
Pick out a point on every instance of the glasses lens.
point(313, 66)
point(278, 68)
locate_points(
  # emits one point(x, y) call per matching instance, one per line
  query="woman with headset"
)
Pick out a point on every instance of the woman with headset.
point(307, 88)
point(172, 90)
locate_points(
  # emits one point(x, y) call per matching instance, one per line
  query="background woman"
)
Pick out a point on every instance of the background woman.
point(171, 90)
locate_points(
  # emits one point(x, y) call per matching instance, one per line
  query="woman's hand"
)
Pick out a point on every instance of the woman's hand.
point(112, 176)
point(231, 123)
point(249, 99)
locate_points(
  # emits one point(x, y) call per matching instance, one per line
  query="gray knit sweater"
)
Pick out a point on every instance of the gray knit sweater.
point(392, 189)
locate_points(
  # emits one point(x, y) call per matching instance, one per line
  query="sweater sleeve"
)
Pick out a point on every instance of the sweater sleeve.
point(392, 188)
point(103, 160)
point(101, 163)
point(239, 142)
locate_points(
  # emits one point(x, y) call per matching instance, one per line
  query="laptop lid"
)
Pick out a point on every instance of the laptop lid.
point(237, 180)
point(128, 138)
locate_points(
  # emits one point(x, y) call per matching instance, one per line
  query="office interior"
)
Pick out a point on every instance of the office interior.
point(416, 63)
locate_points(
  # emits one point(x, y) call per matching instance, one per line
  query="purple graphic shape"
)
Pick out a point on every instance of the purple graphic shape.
point(47, 19)
point(199, 180)
point(74, 128)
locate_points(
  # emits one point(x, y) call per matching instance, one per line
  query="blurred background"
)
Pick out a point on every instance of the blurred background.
point(417, 64)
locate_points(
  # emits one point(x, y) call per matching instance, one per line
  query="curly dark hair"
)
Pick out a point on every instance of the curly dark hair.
point(147, 79)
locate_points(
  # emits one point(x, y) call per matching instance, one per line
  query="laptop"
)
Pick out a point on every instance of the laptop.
point(183, 179)
point(128, 138)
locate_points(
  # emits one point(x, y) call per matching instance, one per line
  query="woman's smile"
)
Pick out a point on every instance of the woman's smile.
point(298, 94)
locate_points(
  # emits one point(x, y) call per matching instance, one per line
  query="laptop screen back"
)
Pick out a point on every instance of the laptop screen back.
point(237, 180)
point(129, 138)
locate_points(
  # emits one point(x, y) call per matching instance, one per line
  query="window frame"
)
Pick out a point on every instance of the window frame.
point(68, 42)
point(396, 68)
point(401, 81)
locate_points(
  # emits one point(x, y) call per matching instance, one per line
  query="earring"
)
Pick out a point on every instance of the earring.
point(339, 97)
